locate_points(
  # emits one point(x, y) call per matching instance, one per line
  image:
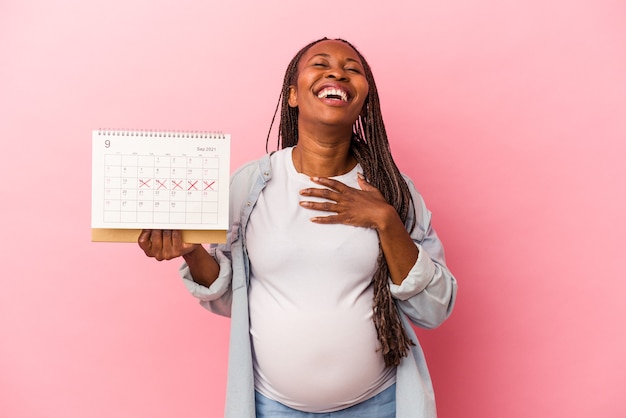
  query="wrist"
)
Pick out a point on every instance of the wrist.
point(191, 254)
point(389, 220)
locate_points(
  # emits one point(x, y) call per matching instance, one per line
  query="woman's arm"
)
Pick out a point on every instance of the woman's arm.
point(420, 281)
point(400, 251)
point(167, 244)
point(428, 293)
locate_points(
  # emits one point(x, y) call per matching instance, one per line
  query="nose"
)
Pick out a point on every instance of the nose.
point(337, 73)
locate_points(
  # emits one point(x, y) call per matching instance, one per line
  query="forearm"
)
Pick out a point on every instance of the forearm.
point(399, 249)
point(203, 267)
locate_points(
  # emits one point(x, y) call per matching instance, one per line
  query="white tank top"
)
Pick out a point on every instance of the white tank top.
point(314, 343)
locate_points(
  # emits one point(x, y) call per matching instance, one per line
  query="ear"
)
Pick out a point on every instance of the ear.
point(293, 97)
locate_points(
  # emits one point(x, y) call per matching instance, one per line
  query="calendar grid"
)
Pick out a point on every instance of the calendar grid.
point(150, 189)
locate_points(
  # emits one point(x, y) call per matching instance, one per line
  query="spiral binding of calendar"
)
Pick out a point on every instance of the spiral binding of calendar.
point(161, 134)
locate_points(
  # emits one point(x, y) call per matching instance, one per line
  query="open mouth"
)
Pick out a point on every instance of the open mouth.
point(333, 93)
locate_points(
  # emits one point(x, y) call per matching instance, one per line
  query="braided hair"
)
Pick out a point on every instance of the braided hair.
point(370, 147)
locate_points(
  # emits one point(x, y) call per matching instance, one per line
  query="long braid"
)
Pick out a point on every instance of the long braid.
point(382, 172)
point(288, 128)
point(370, 147)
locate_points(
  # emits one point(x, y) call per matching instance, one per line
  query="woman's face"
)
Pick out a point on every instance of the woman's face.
point(331, 87)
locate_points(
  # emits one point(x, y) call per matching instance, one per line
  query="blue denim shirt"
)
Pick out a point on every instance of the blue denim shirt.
point(425, 298)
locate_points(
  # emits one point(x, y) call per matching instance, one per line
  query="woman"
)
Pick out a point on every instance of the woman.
point(329, 255)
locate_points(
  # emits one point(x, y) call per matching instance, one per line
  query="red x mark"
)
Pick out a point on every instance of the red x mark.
point(161, 184)
point(144, 183)
point(192, 185)
point(208, 185)
point(177, 185)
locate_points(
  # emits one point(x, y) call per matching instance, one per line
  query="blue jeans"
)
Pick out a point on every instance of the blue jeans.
point(382, 405)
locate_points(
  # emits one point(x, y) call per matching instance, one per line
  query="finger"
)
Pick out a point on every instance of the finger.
point(167, 238)
point(364, 184)
point(321, 206)
point(144, 239)
point(330, 219)
point(333, 184)
point(177, 239)
point(156, 241)
point(180, 246)
point(321, 193)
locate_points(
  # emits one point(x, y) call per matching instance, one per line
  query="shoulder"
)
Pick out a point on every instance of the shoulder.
point(247, 178)
point(420, 212)
point(249, 172)
point(415, 194)
point(248, 169)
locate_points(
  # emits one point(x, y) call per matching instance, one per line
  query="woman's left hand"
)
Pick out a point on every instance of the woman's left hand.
point(346, 205)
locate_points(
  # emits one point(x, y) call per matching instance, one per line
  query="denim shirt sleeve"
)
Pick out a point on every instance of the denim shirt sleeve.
point(217, 297)
point(428, 292)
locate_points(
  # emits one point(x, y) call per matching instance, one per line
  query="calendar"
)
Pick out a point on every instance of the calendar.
point(158, 180)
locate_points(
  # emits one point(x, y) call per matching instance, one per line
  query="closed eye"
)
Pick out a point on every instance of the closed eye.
point(319, 64)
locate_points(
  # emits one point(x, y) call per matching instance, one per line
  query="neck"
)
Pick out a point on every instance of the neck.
point(325, 157)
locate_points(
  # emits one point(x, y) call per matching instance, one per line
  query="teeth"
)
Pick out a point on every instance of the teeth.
point(333, 92)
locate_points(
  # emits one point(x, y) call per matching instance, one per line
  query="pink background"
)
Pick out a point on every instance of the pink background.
point(510, 116)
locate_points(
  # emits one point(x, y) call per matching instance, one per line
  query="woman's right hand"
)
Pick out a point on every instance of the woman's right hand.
point(164, 244)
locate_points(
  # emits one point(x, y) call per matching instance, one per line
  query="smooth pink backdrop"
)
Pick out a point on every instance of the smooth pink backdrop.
point(510, 116)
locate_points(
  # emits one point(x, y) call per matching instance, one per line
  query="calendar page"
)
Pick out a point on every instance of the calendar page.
point(160, 180)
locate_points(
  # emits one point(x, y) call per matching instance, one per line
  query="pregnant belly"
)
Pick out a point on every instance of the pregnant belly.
point(317, 361)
